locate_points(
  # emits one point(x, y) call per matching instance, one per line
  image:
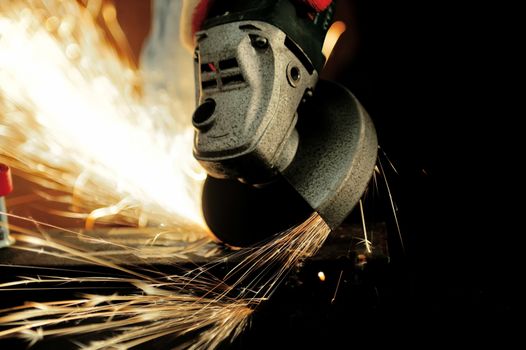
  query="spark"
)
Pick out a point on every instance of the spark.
point(71, 119)
point(195, 302)
point(364, 228)
point(333, 35)
point(392, 203)
point(321, 276)
point(75, 118)
point(333, 300)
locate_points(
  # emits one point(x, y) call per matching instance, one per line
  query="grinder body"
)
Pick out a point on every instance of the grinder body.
point(262, 117)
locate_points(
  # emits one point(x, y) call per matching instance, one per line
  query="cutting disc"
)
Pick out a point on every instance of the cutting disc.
point(241, 215)
point(332, 167)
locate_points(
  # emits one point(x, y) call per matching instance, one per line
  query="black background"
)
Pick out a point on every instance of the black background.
point(431, 74)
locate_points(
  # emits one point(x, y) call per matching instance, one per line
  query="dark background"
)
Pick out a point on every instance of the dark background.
point(429, 74)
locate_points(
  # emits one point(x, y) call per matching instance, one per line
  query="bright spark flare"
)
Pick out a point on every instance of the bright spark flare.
point(69, 112)
point(175, 305)
point(321, 276)
point(71, 119)
point(333, 35)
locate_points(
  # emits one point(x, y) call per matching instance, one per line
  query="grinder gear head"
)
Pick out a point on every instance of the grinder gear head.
point(251, 85)
point(262, 118)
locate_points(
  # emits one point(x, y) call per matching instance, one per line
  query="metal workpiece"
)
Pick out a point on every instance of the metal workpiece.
point(251, 81)
point(336, 154)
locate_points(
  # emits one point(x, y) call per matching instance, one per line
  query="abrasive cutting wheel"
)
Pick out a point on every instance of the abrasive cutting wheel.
point(330, 171)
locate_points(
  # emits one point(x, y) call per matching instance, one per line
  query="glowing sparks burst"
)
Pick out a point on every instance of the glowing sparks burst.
point(174, 305)
point(70, 112)
point(72, 119)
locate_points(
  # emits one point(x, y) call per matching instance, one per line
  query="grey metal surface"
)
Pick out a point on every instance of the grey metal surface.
point(257, 84)
point(336, 155)
point(251, 86)
point(5, 239)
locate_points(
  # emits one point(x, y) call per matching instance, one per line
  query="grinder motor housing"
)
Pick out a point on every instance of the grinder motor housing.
point(261, 114)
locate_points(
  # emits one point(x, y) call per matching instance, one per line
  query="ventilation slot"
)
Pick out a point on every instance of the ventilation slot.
point(209, 84)
point(233, 79)
point(228, 64)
